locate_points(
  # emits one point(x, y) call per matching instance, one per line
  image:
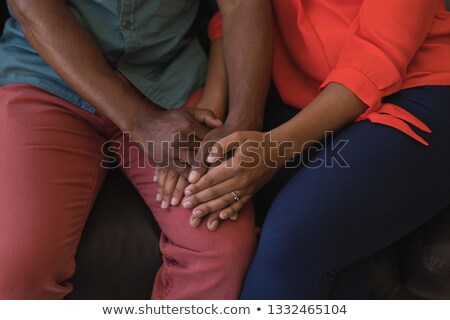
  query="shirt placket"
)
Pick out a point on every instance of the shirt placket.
point(127, 27)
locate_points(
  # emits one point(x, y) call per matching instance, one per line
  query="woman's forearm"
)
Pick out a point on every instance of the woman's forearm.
point(334, 108)
point(72, 52)
point(215, 92)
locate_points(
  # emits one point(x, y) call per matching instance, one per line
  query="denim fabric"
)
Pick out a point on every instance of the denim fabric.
point(329, 216)
point(148, 41)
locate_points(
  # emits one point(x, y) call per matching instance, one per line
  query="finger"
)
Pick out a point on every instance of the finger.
point(232, 212)
point(214, 205)
point(178, 193)
point(199, 167)
point(215, 175)
point(180, 167)
point(162, 175)
point(187, 156)
point(208, 194)
point(194, 221)
point(213, 221)
point(207, 118)
point(185, 143)
point(155, 175)
point(197, 132)
point(225, 145)
point(168, 188)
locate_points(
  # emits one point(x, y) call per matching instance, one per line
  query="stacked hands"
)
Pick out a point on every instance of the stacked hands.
point(208, 166)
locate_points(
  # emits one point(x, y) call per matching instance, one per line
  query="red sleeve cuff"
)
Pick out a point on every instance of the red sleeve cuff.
point(359, 84)
point(215, 27)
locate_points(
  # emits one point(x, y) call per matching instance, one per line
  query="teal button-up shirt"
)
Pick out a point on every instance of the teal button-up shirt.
point(148, 41)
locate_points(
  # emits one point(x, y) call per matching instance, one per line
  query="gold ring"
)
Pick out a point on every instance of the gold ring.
point(235, 196)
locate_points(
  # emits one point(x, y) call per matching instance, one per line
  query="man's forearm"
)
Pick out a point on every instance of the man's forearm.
point(248, 49)
point(72, 52)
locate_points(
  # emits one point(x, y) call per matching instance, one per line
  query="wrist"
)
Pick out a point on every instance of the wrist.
point(139, 116)
point(124, 105)
point(287, 144)
point(244, 122)
point(216, 107)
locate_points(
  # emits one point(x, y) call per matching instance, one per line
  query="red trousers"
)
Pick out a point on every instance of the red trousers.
point(50, 175)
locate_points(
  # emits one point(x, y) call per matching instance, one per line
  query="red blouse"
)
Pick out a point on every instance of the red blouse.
point(372, 47)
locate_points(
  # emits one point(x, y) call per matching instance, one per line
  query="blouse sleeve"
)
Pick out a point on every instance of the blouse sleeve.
point(215, 27)
point(381, 43)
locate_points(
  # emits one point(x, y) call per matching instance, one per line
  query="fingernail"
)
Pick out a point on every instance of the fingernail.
point(222, 216)
point(155, 178)
point(187, 204)
point(198, 213)
point(213, 226)
point(211, 159)
point(158, 197)
point(174, 201)
point(234, 217)
point(193, 176)
point(164, 205)
point(194, 221)
point(187, 192)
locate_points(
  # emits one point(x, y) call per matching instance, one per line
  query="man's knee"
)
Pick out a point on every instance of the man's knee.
point(25, 277)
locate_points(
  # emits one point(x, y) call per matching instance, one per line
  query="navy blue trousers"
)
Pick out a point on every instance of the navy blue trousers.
point(327, 221)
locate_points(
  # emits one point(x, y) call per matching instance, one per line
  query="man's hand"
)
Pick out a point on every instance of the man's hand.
point(170, 137)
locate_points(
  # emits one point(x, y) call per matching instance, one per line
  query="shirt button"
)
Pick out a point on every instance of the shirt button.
point(126, 24)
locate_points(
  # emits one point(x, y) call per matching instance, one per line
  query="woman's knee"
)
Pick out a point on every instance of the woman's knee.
point(294, 229)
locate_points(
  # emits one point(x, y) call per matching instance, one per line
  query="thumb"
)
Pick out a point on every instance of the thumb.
point(223, 146)
point(200, 167)
point(207, 118)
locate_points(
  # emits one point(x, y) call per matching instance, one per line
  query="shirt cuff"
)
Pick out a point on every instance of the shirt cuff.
point(215, 27)
point(359, 84)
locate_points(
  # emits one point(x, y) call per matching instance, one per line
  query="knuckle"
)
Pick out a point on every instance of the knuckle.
point(207, 209)
point(194, 189)
point(213, 193)
point(236, 136)
point(177, 192)
point(227, 212)
point(227, 202)
point(231, 210)
point(195, 200)
point(184, 126)
point(246, 180)
point(172, 176)
point(168, 188)
point(209, 181)
point(214, 216)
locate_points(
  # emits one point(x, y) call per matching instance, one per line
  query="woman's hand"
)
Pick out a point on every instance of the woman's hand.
point(200, 166)
point(245, 162)
point(171, 184)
